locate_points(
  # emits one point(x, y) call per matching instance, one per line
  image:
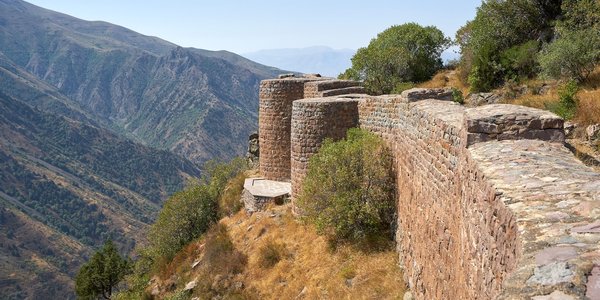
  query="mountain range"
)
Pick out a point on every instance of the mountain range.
point(99, 125)
point(318, 59)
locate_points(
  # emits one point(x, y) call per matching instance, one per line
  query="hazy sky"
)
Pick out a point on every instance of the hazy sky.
point(245, 26)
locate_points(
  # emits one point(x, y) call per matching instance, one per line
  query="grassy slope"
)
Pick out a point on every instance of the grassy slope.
point(588, 111)
point(308, 266)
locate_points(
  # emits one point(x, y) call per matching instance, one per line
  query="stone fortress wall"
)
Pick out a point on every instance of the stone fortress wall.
point(490, 202)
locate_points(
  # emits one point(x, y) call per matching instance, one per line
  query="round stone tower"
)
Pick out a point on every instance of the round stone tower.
point(274, 119)
point(314, 120)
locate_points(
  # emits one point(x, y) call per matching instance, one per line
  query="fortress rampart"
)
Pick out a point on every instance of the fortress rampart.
point(490, 202)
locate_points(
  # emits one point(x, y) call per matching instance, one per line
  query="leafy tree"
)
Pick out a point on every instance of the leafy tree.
point(580, 15)
point(574, 55)
point(401, 53)
point(100, 275)
point(348, 192)
point(575, 52)
point(498, 37)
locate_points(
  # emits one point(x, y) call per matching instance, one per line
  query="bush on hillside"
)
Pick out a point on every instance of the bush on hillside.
point(566, 107)
point(573, 55)
point(189, 213)
point(401, 53)
point(348, 192)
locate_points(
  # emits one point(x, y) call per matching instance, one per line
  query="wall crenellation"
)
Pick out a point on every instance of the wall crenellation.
point(490, 202)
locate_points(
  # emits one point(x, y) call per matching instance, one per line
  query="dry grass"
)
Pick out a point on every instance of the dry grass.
point(446, 78)
point(310, 264)
point(588, 110)
point(298, 260)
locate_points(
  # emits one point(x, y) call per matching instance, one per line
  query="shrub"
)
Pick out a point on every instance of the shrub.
point(402, 86)
point(229, 202)
point(457, 96)
point(189, 213)
point(566, 107)
point(184, 217)
point(573, 55)
point(348, 192)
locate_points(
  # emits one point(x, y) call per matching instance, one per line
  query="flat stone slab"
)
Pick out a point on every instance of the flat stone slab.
point(417, 94)
point(267, 188)
point(512, 122)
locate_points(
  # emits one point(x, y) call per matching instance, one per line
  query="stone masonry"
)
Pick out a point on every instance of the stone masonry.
point(314, 120)
point(275, 116)
point(491, 205)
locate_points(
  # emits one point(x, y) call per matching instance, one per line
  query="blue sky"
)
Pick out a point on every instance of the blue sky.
point(246, 26)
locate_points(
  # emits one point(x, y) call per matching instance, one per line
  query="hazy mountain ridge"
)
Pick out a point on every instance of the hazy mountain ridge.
point(141, 86)
point(318, 59)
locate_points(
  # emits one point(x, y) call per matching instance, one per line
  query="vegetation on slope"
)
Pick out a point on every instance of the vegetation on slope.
point(273, 255)
point(348, 192)
point(77, 182)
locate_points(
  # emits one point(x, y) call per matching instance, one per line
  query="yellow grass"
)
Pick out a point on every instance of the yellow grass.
point(307, 262)
point(446, 78)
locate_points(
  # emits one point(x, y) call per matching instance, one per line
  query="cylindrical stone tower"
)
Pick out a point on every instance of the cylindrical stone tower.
point(314, 120)
point(274, 118)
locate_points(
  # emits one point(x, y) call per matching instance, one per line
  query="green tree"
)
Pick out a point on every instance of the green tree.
point(401, 53)
point(348, 192)
point(499, 39)
point(575, 52)
point(100, 275)
point(573, 55)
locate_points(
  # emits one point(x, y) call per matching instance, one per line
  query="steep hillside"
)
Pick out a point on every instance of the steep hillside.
point(273, 255)
point(65, 187)
point(146, 88)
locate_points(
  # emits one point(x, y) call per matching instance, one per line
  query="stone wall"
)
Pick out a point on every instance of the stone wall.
point(509, 214)
point(314, 120)
point(490, 202)
point(449, 238)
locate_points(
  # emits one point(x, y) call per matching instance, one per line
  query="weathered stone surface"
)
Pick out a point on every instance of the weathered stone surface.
point(570, 129)
point(536, 179)
point(417, 94)
point(593, 283)
point(259, 192)
point(274, 120)
point(551, 274)
point(479, 99)
point(593, 132)
point(288, 75)
point(512, 122)
point(325, 88)
point(190, 285)
point(252, 153)
point(556, 295)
